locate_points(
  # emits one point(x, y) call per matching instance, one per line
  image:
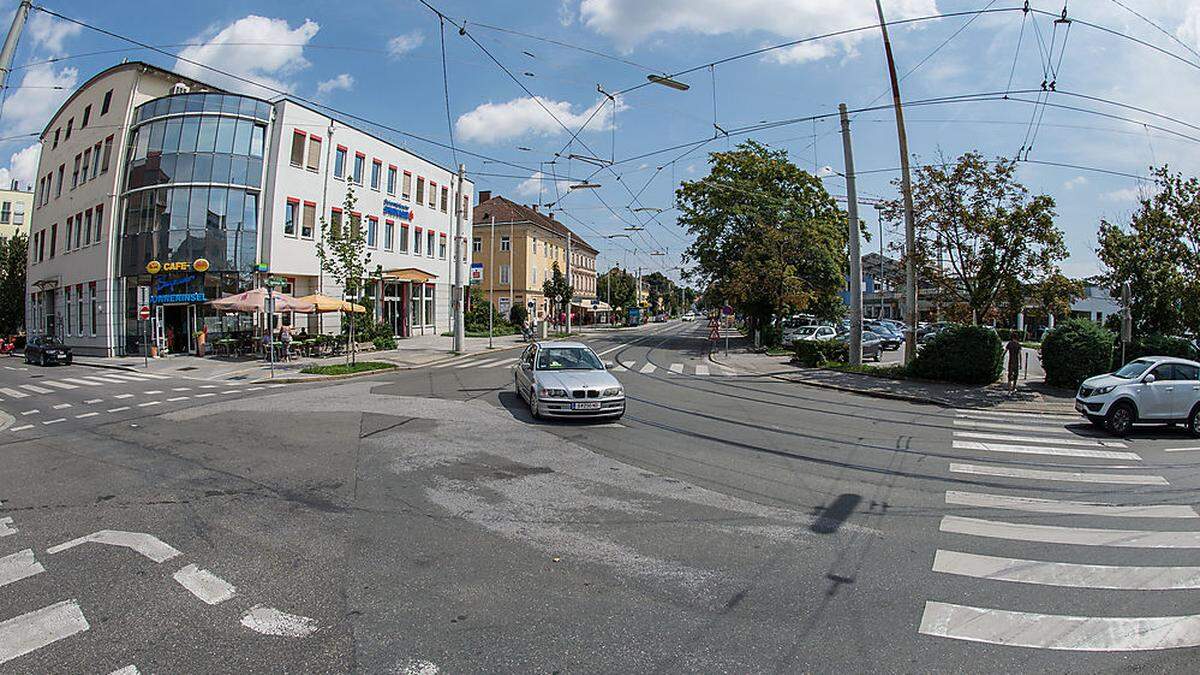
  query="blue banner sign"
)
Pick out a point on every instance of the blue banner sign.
point(162, 298)
point(394, 208)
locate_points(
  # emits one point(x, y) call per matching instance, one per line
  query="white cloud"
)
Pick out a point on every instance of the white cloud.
point(825, 171)
point(403, 44)
point(1076, 182)
point(631, 22)
point(1189, 28)
point(1130, 194)
point(345, 81)
point(43, 89)
point(537, 183)
point(498, 122)
point(566, 12)
point(279, 56)
point(22, 167)
point(49, 33)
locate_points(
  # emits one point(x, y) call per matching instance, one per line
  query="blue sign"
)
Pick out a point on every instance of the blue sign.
point(161, 284)
point(394, 208)
point(177, 297)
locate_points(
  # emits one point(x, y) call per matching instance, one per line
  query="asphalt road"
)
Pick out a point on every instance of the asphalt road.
point(730, 522)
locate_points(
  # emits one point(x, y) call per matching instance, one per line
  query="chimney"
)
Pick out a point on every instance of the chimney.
point(535, 207)
point(484, 195)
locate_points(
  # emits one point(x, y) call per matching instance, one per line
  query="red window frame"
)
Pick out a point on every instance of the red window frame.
point(295, 218)
point(342, 147)
point(303, 153)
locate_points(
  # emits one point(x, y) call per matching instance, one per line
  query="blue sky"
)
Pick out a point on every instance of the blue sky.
point(382, 61)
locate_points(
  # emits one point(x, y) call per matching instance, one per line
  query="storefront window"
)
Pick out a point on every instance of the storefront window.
point(429, 308)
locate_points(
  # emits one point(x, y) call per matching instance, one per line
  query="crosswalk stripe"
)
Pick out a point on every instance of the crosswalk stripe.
point(1039, 450)
point(106, 379)
point(1079, 536)
point(648, 368)
point(1036, 505)
point(501, 362)
point(445, 364)
point(1051, 631)
point(1074, 575)
point(1012, 426)
point(1042, 418)
point(30, 632)
point(472, 363)
point(122, 377)
point(1070, 476)
point(148, 376)
point(618, 368)
point(59, 385)
point(35, 389)
point(76, 380)
point(1180, 449)
point(676, 368)
point(1039, 439)
point(18, 566)
point(702, 370)
point(13, 393)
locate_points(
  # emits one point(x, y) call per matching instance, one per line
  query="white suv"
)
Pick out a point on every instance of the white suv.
point(1152, 389)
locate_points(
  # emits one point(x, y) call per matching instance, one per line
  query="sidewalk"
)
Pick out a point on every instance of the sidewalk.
point(1032, 396)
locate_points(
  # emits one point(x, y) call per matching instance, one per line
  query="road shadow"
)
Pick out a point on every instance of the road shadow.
point(830, 518)
point(519, 409)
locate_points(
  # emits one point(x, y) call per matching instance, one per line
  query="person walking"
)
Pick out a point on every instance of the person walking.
point(1013, 347)
point(285, 336)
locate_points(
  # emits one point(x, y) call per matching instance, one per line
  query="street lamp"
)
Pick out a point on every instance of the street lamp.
point(583, 186)
point(668, 82)
point(648, 209)
point(635, 228)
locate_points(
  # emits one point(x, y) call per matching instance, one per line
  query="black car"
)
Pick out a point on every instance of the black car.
point(891, 340)
point(872, 344)
point(45, 350)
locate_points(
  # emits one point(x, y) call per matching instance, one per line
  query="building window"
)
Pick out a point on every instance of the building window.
point(56, 133)
point(289, 217)
point(442, 247)
point(87, 227)
point(78, 229)
point(53, 239)
point(70, 231)
point(505, 243)
point(335, 223)
point(533, 276)
point(403, 238)
point(505, 274)
point(476, 244)
point(417, 242)
point(75, 173)
point(298, 139)
point(376, 174)
point(391, 184)
point(96, 160)
point(67, 309)
point(356, 223)
point(372, 232)
point(70, 124)
point(339, 162)
point(429, 305)
point(308, 220)
point(92, 304)
point(420, 190)
point(432, 195)
point(535, 246)
point(107, 102)
point(62, 174)
point(108, 146)
point(314, 153)
point(5, 213)
point(99, 222)
point(429, 243)
point(360, 161)
point(87, 115)
point(18, 213)
point(445, 199)
point(389, 235)
point(406, 186)
point(79, 309)
point(87, 163)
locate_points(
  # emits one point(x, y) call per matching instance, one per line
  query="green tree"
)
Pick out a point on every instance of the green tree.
point(978, 231)
point(343, 254)
point(1159, 255)
point(623, 288)
point(557, 287)
point(13, 252)
point(476, 317)
point(765, 233)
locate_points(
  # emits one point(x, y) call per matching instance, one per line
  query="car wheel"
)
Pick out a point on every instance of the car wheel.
point(44, 362)
point(27, 359)
point(1120, 419)
point(1193, 422)
point(533, 405)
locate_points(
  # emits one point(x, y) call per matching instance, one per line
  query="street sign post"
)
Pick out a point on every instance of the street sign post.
point(714, 329)
point(476, 274)
point(143, 301)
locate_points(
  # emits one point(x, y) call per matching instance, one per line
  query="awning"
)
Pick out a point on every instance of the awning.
point(600, 306)
point(324, 303)
point(410, 274)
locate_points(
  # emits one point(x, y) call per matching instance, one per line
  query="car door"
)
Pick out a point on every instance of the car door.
point(522, 374)
point(1187, 389)
point(1156, 400)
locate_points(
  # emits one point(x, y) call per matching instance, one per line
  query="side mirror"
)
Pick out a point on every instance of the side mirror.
point(609, 365)
point(1149, 379)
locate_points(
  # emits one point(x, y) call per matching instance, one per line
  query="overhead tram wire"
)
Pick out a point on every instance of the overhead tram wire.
point(446, 92)
point(1157, 27)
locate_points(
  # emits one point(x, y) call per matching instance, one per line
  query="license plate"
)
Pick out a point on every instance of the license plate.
point(586, 406)
point(1078, 406)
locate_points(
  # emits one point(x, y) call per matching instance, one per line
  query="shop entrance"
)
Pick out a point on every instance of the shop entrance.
point(394, 306)
point(178, 328)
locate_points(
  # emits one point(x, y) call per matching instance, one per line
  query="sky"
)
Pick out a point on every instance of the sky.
point(526, 71)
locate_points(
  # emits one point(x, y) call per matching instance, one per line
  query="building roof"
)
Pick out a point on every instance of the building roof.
point(506, 211)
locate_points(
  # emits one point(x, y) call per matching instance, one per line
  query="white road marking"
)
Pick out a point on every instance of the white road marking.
point(609, 350)
point(1181, 449)
point(1024, 417)
point(148, 545)
point(270, 621)
point(1050, 631)
point(254, 389)
point(119, 377)
point(1012, 426)
point(21, 428)
point(205, 395)
point(60, 406)
point(147, 404)
point(5, 528)
point(1039, 450)
point(127, 670)
point(104, 379)
point(177, 398)
point(121, 409)
point(30, 632)
point(152, 392)
point(55, 421)
point(18, 566)
point(1039, 439)
point(676, 368)
point(90, 414)
point(276, 386)
point(1035, 505)
point(1080, 536)
point(121, 396)
point(501, 362)
point(230, 391)
point(618, 368)
point(13, 393)
point(76, 380)
point(151, 376)
point(445, 364)
point(471, 363)
point(31, 412)
point(205, 585)
point(208, 386)
point(702, 370)
point(93, 400)
point(35, 389)
point(1071, 476)
point(181, 388)
point(648, 368)
point(1074, 575)
point(59, 385)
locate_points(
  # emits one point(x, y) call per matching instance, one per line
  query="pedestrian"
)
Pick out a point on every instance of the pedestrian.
point(1013, 347)
point(285, 336)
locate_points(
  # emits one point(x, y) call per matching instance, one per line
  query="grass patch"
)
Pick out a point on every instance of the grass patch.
point(1032, 345)
point(497, 331)
point(894, 372)
point(780, 351)
point(347, 368)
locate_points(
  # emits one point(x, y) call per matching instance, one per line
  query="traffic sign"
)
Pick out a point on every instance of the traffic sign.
point(476, 273)
point(143, 295)
point(144, 312)
point(714, 329)
point(727, 310)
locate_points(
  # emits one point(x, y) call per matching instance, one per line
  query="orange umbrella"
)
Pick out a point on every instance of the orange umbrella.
point(254, 301)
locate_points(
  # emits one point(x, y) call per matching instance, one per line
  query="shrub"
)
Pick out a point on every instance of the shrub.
point(816, 353)
point(384, 343)
point(1076, 350)
point(1155, 345)
point(771, 335)
point(517, 315)
point(347, 368)
point(963, 354)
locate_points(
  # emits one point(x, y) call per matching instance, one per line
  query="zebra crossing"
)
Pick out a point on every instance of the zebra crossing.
point(1026, 453)
point(640, 367)
point(71, 383)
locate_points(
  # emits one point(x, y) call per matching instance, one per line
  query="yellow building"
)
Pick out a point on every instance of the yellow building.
point(526, 246)
point(16, 207)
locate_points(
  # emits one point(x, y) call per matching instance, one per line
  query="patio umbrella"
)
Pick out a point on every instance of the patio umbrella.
point(253, 301)
point(324, 303)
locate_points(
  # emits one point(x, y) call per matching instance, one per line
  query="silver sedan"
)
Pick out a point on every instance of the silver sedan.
point(567, 379)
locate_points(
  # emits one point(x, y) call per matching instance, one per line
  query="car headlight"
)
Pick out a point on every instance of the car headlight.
point(554, 393)
point(1103, 390)
point(612, 391)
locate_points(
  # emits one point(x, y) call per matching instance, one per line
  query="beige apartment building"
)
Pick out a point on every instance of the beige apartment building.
point(16, 206)
point(527, 244)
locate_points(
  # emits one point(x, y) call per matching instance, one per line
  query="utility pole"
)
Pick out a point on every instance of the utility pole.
point(458, 288)
point(492, 278)
point(569, 284)
point(879, 279)
point(637, 299)
point(10, 42)
point(856, 310)
point(910, 243)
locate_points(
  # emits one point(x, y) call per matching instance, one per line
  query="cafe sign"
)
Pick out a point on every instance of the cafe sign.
point(198, 265)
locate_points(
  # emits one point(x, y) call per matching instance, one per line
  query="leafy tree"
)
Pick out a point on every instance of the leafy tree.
point(13, 252)
point(624, 287)
point(978, 229)
point(766, 234)
point(343, 254)
point(557, 287)
point(1159, 255)
point(517, 315)
point(1076, 350)
point(476, 317)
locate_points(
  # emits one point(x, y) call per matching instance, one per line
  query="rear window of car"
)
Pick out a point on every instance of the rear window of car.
point(1184, 371)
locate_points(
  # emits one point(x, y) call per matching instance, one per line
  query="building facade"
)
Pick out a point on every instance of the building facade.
point(16, 208)
point(151, 179)
point(522, 256)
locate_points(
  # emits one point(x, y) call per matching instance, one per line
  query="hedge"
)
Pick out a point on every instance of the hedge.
point(1076, 350)
point(963, 354)
point(816, 353)
point(1155, 345)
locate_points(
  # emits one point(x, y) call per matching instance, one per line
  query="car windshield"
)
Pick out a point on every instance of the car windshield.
point(806, 330)
point(51, 343)
point(1133, 369)
point(568, 358)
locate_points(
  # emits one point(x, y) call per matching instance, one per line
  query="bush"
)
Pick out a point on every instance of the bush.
point(1076, 350)
point(384, 343)
point(1155, 345)
point(347, 368)
point(963, 354)
point(517, 315)
point(816, 353)
point(771, 335)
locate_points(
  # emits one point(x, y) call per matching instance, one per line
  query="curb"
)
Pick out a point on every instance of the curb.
point(108, 366)
point(924, 400)
point(6, 420)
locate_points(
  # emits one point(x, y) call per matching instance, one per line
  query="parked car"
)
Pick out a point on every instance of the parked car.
point(567, 379)
point(1151, 389)
point(44, 350)
point(891, 340)
point(791, 335)
point(688, 316)
point(872, 344)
